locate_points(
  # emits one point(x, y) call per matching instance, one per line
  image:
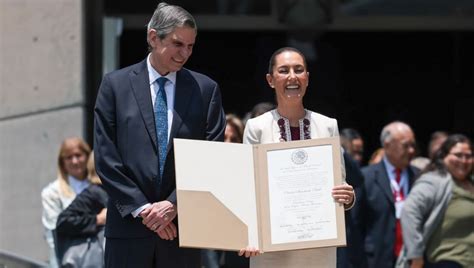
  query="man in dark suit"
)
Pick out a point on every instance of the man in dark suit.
point(137, 115)
point(353, 255)
point(386, 184)
point(353, 144)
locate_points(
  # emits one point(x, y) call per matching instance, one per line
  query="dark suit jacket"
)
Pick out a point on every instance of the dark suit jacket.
point(378, 219)
point(125, 143)
point(353, 255)
point(78, 220)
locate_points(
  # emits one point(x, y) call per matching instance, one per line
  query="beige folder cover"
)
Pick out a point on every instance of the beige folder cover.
point(215, 184)
point(205, 222)
point(223, 199)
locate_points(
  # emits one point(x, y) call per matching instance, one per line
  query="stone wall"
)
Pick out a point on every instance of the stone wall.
point(41, 103)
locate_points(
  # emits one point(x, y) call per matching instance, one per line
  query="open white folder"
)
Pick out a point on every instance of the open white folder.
point(271, 196)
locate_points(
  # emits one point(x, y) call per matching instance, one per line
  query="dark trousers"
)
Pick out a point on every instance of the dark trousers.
point(150, 252)
point(442, 264)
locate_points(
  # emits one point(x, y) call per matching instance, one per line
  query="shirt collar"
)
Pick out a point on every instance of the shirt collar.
point(390, 168)
point(78, 185)
point(153, 74)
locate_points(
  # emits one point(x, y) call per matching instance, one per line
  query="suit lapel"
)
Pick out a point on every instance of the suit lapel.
point(411, 177)
point(383, 181)
point(141, 89)
point(183, 94)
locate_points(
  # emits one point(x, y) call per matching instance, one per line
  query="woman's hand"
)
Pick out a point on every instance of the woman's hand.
point(101, 217)
point(417, 263)
point(343, 194)
point(249, 252)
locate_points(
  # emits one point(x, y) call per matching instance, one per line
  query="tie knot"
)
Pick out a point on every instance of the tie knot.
point(161, 82)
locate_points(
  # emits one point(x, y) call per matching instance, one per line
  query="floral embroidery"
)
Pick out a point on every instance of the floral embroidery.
point(285, 132)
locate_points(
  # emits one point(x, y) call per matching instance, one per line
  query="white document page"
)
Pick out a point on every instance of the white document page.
point(300, 184)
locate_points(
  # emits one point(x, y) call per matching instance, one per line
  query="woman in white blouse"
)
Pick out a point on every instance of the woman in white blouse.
point(289, 77)
point(72, 179)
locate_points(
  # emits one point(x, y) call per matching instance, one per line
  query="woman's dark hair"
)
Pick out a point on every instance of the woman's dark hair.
point(235, 122)
point(261, 108)
point(271, 64)
point(437, 163)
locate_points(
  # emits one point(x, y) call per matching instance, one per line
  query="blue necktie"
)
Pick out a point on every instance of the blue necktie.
point(161, 122)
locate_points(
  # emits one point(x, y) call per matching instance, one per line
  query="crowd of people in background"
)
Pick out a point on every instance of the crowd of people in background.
point(433, 223)
point(409, 214)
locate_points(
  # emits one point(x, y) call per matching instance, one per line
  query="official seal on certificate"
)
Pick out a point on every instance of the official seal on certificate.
point(299, 156)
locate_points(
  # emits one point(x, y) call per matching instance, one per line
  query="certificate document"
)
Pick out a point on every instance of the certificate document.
point(301, 206)
point(273, 196)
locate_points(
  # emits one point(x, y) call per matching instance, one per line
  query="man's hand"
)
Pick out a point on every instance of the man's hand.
point(158, 216)
point(168, 232)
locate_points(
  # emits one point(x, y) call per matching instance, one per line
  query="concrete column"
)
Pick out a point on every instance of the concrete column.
point(41, 103)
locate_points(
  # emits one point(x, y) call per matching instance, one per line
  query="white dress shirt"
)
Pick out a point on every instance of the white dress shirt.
point(170, 85)
point(169, 89)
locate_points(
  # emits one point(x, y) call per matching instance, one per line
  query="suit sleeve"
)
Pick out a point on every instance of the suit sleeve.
point(343, 166)
point(215, 125)
point(415, 211)
point(79, 218)
point(120, 187)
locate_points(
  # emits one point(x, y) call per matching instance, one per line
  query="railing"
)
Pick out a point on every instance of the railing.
point(12, 260)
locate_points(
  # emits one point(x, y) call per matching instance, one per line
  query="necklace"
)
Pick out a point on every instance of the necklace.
point(284, 125)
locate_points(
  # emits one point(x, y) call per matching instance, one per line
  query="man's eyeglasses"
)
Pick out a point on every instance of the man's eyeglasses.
point(461, 156)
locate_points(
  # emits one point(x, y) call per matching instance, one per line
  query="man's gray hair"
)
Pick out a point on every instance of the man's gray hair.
point(390, 129)
point(167, 17)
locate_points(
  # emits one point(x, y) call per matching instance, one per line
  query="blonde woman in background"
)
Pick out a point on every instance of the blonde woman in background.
point(83, 222)
point(57, 195)
point(93, 177)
